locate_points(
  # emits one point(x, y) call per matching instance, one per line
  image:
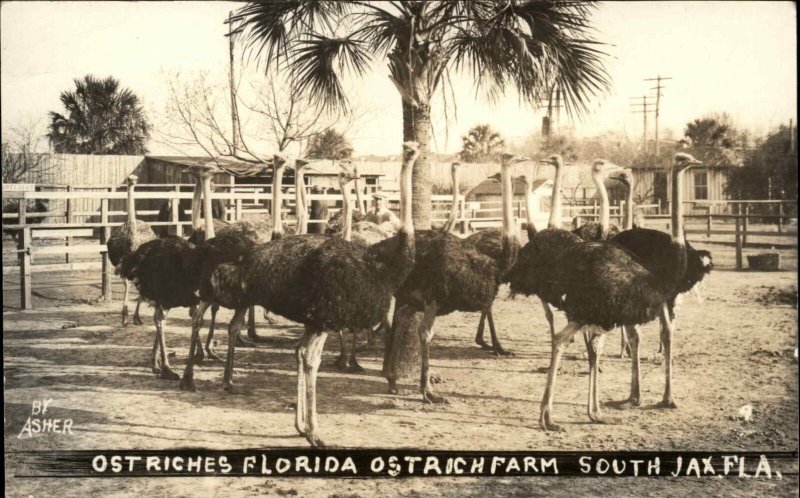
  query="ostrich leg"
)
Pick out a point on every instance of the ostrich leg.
point(548, 313)
point(309, 357)
point(479, 335)
point(352, 363)
point(160, 319)
point(137, 320)
point(212, 355)
point(251, 330)
point(632, 333)
point(234, 327)
point(195, 350)
point(425, 332)
point(596, 340)
point(624, 343)
point(125, 303)
point(560, 342)
point(497, 349)
point(667, 329)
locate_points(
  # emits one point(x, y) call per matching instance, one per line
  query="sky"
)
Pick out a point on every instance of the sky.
point(734, 57)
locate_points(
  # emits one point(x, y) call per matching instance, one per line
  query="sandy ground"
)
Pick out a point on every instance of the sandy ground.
point(734, 349)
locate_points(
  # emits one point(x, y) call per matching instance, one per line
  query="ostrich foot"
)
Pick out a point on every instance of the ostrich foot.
point(626, 404)
point(124, 316)
point(483, 344)
point(667, 403)
point(433, 398)
point(341, 362)
point(199, 356)
point(314, 440)
point(137, 320)
point(353, 366)
point(187, 384)
point(499, 351)
point(602, 419)
point(547, 423)
point(393, 386)
point(168, 374)
point(212, 355)
point(241, 342)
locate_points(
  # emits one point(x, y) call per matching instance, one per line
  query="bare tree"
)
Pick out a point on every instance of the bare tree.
point(22, 160)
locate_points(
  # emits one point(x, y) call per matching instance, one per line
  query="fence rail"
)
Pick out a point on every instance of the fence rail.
point(470, 216)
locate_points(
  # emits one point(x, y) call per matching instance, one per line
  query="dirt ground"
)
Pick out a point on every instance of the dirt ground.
point(736, 348)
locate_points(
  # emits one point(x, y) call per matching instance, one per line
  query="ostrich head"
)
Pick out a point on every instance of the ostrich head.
point(625, 176)
point(132, 179)
point(604, 168)
point(410, 151)
point(554, 160)
point(348, 169)
point(278, 160)
point(684, 160)
point(511, 159)
point(300, 164)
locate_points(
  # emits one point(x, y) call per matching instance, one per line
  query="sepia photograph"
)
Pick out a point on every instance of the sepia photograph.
point(344, 249)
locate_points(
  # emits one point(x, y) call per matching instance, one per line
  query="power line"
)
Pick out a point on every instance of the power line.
point(658, 79)
point(645, 108)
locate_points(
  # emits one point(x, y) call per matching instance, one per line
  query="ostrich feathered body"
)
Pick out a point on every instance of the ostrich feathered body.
point(39, 206)
point(165, 212)
point(324, 282)
point(126, 238)
point(535, 272)
point(594, 231)
point(490, 243)
point(454, 274)
point(603, 284)
point(336, 222)
point(165, 271)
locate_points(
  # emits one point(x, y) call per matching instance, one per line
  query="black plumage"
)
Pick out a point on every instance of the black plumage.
point(37, 206)
point(603, 285)
point(594, 231)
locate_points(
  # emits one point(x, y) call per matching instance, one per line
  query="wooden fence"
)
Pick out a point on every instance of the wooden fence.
point(97, 224)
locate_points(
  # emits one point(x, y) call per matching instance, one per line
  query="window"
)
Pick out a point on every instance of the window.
point(701, 185)
point(660, 186)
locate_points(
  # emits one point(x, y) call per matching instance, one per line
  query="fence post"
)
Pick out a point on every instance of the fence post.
point(708, 223)
point(69, 220)
point(24, 245)
point(105, 232)
point(238, 210)
point(175, 215)
point(738, 238)
point(744, 224)
point(780, 217)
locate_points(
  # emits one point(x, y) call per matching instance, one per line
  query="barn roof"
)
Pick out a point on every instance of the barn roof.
point(242, 169)
point(491, 186)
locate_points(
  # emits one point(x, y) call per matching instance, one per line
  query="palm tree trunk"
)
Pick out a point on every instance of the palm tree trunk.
point(417, 127)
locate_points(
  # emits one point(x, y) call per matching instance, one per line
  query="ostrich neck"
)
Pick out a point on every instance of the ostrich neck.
point(509, 234)
point(555, 202)
point(451, 218)
point(529, 211)
point(359, 197)
point(196, 204)
point(347, 212)
point(604, 211)
point(131, 206)
point(629, 208)
point(277, 202)
point(300, 200)
point(677, 206)
point(209, 219)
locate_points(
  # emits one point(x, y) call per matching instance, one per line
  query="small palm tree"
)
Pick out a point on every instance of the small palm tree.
point(100, 118)
point(481, 144)
point(533, 46)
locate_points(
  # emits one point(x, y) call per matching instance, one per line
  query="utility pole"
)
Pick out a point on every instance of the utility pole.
point(553, 103)
point(237, 137)
point(644, 107)
point(658, 79)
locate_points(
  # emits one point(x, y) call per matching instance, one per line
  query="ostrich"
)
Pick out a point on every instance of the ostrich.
point(535, 269)
point(602, 285)
point(649, 246)
point(488, 242)
point(125, 239)
point(166, 271)
point(335, 285)
point(165, 212)
point(451, 275)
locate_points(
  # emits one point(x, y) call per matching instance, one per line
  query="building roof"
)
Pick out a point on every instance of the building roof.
point(242, 169)
point(491, 186)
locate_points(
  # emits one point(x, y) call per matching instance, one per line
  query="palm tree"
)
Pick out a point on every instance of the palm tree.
point(533, 46)
point(100, 118)
point(481, 144)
